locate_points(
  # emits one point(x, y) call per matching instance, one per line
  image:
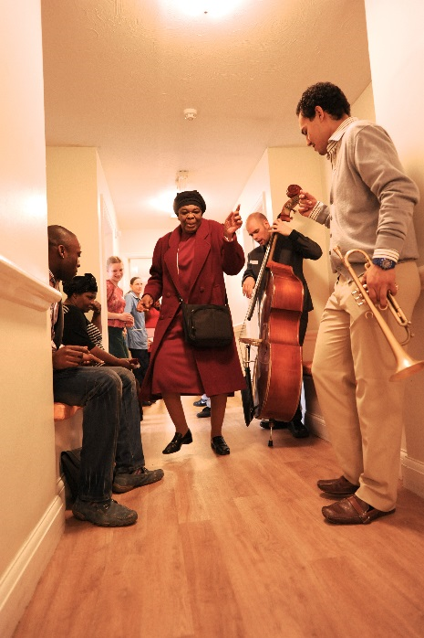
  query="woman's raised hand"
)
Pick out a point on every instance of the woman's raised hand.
point(232, 223)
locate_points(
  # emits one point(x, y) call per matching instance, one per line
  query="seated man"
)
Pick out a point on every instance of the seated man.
point(112, 455)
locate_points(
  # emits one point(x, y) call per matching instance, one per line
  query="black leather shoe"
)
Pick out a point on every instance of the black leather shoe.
point(298, 429)
point(219, 445)
point(176, 443)
point(204, 414)
point(276, 425)
point(200, 403)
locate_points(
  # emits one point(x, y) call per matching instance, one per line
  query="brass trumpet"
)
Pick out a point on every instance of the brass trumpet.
point(406, 365)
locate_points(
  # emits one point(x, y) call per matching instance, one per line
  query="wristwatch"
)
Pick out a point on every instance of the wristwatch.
point(384, 263)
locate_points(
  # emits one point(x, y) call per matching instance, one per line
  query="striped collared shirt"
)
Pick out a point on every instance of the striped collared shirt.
point(54, 308)
point(333, 143)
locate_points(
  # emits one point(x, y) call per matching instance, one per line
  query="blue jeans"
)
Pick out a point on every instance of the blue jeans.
point(111, 424)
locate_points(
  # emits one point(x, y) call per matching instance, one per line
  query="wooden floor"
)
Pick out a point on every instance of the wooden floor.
point(234, 547)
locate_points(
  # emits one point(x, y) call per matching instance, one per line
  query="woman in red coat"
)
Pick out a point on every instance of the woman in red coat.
point(191, 262)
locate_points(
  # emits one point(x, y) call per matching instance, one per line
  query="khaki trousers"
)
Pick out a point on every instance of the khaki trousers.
point(362, 409)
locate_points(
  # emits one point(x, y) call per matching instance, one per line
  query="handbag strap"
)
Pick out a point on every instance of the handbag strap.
point(181, 300)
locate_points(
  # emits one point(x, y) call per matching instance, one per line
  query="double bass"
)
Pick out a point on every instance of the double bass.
point(274, 390)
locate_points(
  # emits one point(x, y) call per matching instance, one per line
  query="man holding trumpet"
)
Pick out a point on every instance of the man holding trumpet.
point(370, 212)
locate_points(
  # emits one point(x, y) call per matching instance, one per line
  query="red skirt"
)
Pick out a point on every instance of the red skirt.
point(175, 369)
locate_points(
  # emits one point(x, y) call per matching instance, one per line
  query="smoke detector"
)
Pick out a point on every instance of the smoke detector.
point(190, 114)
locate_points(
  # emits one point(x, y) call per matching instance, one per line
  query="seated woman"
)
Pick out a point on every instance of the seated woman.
point(78, 330)
point(191, 262)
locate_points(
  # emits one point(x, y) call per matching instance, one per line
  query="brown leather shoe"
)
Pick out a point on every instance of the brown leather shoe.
point(351, 511)
point(338, 487)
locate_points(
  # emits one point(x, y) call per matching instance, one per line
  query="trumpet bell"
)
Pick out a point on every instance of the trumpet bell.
point(406, 368)
point(406, 365)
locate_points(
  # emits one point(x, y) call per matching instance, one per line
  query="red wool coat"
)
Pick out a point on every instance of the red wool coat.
point(219, 368)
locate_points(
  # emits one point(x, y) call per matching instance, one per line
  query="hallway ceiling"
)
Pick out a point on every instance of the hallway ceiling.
point(119, 74)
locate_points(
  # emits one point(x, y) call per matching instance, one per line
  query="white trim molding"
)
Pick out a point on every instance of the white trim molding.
point(20, 580)
point(412, 474)
point(20, 287)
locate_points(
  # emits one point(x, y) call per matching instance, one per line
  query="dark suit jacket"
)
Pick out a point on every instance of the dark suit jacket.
point(291, 251)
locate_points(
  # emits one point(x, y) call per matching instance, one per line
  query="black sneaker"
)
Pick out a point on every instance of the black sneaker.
point(109, 514)
point(204, 414)
point(200, 403)
point(129, 481)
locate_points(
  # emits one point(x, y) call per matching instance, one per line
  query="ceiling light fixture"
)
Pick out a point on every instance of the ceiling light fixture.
point(213, 8)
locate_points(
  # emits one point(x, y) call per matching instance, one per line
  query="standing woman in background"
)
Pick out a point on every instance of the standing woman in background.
point(137, 334)
point(117, 318)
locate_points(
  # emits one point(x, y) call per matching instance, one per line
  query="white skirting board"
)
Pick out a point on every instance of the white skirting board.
point(412, 474)
point(20, 580)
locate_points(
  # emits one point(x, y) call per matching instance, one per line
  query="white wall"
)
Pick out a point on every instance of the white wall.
point(31, 511)
point(396, 47)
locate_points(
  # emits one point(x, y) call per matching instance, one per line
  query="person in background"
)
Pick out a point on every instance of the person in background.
point(372, 205)
point(136, 336)
point(78, 330)
point(137, 340)
point(118, 319)
point(112, 458)
point(291, 249)
point(191, 262)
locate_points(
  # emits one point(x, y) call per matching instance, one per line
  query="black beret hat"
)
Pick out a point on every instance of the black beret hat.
point(79, 285)
point(189, 197)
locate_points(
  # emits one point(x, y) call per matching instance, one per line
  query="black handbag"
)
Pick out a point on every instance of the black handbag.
point(207, 326)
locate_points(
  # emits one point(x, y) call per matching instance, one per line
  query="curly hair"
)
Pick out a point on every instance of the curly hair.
point(326, 95)
point(79, 285)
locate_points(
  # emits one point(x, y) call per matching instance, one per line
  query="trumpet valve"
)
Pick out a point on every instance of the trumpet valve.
point(358, 297)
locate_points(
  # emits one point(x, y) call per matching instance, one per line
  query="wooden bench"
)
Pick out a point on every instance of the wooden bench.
point(63, 411)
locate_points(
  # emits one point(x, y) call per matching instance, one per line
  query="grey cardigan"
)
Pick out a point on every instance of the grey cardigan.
point(371, 199)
